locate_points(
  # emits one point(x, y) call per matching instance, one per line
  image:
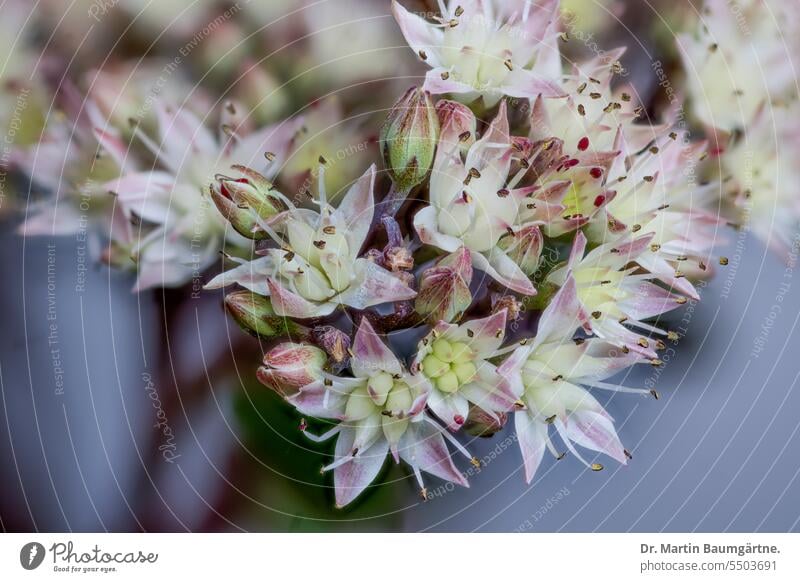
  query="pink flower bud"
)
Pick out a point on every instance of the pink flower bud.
point(444, 289)
point(290, 366)
point(482, 424)
point(245, 200)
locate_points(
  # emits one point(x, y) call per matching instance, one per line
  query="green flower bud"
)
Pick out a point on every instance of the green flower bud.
point(255, 315)
point(409, 137)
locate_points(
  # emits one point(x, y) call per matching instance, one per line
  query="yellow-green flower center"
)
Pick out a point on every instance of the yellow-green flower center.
point(449, 365)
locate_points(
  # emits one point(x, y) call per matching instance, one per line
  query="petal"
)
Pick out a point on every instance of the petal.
point(525, 84)
point(145, 194)
point(419, 34)
point(503, 270)
point(595, 431)
point(351, 478)
point(484, 336)
point(491, 392)
point(436, 85)
point(426, 225)
point(648, 300)
point(374, 285)
point(578, 249)
point(321, 401)
point(451, 409)
point(290, 304)
point(532, 437)
point(372, 355)
point(424, 447)
point(251, 275)
point(562, 316)
point(356, 210)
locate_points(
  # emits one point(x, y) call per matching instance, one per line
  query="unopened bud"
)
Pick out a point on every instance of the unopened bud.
point(408, 139)
point(255, 315)
point(482, 424)
point(246, 200)
point(290, 366)
point(332, 340)
point(524, 247)
point(444, 292)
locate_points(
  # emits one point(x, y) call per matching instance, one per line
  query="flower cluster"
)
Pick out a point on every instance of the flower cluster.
point(584, 212)
point(741, 68)
point(534, 224)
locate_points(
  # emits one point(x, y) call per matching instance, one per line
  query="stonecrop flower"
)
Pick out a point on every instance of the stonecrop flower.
point(317, 267)
point(657, 191)
point(455, 360)
point(183, 232)
point(551, 373)
point(589, 119)
point(474, 201)
point(380, 410)
point(760, 176)
point(741, 57)
point(487, 48)
point(614, 295)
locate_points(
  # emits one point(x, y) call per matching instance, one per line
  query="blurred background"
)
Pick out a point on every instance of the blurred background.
point(141, 412)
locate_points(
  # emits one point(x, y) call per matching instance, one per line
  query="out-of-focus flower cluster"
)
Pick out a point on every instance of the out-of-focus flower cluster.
point(535, 220)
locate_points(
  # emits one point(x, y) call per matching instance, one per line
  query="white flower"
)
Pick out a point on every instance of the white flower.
point(741, 58)
point(551, 374)
point(487, 48)
point(657, 191)
point(473, 199)
point(761, 174)
point(318, 267)
point(612, 294)
point(186, 231)
point(455, 360)
point(380, 410)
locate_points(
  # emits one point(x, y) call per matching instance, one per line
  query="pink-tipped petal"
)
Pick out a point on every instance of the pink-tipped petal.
point(532, 437)
point(371, 354)
point(354, 476)
point(437, 82)
point(562, 316)
point(503, 270)
point(525, 84)
point(424, 447)
point(596, 432)
point(483, 336)
point(419, 34)
point(451, 409)
point(356, 209)
point(374, 285)
point(288, 304)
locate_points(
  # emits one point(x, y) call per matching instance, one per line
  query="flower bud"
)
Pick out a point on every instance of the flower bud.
point(290, 366)
point(482, 424)
point(524, 247)
point(334, 341)
point(255, 315)
point(444, 289)
point(408, 139)
point(243, 200)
